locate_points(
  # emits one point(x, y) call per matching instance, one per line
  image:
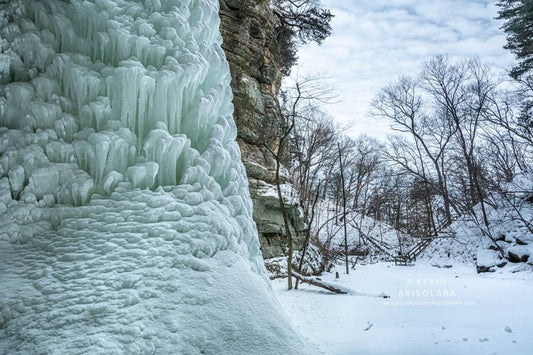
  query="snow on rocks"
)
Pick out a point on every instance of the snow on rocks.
point(487, 260)
point(520, 253)
point(464, 242)
point(513, 252)
point(125, 219)
point(311, 265)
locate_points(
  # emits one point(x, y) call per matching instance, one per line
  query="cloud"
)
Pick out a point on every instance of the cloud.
point(375, 41)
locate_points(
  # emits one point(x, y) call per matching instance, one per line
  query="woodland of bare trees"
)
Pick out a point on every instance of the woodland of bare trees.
point(459, 142)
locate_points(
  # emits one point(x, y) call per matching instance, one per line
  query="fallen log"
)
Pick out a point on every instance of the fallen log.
point(315, 281)
point(319, 283)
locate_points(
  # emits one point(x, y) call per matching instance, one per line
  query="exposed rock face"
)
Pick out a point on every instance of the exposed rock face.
point(247, 28)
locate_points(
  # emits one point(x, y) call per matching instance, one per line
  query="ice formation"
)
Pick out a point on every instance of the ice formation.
point(125, 220)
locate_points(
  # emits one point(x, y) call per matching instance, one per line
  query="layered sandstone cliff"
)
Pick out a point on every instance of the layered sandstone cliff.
point(247, 28)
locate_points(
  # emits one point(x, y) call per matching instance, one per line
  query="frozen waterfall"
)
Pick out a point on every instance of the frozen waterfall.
point(125, 220)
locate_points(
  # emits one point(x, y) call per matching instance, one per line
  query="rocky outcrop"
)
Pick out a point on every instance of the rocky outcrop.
point(267, 216)
point(247, 27)
point(511, 251)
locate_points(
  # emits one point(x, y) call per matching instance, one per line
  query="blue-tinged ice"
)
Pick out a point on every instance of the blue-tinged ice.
point(125, 220)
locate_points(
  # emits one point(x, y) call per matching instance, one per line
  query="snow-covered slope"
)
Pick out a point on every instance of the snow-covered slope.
point(510, 217)
point(125, 220)
point(364, 234)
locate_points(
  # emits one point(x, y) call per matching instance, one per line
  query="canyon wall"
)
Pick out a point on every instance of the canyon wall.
point(247, 29)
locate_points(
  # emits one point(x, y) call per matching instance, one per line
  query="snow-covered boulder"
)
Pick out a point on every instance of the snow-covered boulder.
point(519, 253)
point(488, 260)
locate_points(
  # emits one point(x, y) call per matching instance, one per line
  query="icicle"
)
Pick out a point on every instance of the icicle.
point(118, 162)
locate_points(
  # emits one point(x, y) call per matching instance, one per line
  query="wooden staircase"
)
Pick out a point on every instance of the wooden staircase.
point(411, 255)
point(406, 259)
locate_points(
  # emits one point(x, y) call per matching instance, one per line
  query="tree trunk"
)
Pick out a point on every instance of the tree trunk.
point(285, 222)
point(315, 282)
point(344, 211)
point(308, 234)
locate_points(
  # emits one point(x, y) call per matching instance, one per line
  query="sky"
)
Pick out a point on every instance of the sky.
point(373, 42)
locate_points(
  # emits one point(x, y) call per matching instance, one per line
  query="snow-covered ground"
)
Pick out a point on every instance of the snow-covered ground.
point(430, 311)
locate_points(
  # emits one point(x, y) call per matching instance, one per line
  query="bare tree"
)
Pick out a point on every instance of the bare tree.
point(463, 89)
point(403, 104)
point(297, 99)
point(344, 216)
point(308, 233)
point(312, 154)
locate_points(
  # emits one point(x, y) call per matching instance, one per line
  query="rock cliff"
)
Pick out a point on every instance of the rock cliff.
point(247, 27)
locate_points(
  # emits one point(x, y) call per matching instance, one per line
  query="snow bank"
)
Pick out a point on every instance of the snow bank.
point(126, 224)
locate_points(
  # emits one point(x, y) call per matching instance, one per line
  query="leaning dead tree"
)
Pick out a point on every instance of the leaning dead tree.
point(317, 282)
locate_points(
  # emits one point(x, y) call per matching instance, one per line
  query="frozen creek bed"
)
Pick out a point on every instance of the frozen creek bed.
point(431, 311)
